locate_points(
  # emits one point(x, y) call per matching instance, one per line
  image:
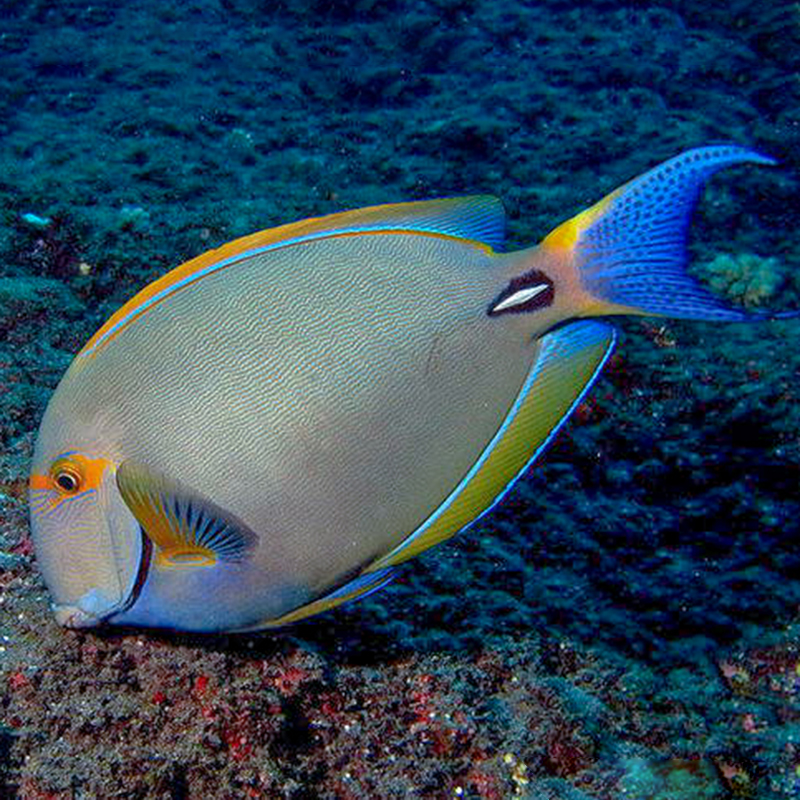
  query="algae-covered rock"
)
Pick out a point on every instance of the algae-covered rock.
point(663, 780)
point(745, 278)
point(29, 305)
point(37, 293)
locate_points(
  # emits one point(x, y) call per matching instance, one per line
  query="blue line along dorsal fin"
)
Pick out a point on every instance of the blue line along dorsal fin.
point(630, 249)
point(356, 589)
point(479, 218)
point(569, 360)
point(187, 529)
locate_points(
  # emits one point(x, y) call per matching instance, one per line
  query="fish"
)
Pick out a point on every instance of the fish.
point(273, 428)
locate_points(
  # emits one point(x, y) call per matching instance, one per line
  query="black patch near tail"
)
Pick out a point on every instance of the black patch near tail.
point(524, 287)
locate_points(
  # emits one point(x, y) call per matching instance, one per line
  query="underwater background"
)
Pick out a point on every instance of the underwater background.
point(624, 624)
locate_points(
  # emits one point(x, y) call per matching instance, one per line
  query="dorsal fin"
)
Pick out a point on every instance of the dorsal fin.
point(479, 218)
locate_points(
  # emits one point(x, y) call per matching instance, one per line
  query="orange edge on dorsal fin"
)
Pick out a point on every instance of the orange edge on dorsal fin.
point(391, 217)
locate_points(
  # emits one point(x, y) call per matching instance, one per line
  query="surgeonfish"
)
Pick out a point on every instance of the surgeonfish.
point(272, 428)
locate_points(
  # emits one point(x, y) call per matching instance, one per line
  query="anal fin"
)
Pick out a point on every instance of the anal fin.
point(356, 589)
point(570, 359)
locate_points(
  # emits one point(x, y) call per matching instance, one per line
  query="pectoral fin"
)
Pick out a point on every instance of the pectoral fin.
point(570, 358)
point(188, 530)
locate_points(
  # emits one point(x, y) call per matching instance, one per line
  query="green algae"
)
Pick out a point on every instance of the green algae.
point(746, 279)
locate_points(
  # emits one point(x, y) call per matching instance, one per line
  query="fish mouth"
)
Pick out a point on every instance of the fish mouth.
point(74, 617)
point(95, 607)
point(90, 610)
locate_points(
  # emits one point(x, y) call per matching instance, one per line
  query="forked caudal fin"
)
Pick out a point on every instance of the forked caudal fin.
point(629, 250)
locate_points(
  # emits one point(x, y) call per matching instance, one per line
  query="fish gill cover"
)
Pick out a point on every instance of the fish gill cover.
point(625, 621)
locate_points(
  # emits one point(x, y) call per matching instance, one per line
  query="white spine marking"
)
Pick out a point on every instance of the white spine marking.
point(522, 296)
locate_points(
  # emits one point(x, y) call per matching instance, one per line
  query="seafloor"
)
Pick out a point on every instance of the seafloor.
point(624, 625)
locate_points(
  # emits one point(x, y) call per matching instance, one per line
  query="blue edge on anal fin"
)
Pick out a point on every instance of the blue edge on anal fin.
point(634, 254)
point(361, 585)
point(558, 350)
point(558, 345)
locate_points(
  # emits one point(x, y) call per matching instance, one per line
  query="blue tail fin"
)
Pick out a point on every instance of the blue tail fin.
point(630, 248)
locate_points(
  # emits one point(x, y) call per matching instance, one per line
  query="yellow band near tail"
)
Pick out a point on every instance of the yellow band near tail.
point(628, 252)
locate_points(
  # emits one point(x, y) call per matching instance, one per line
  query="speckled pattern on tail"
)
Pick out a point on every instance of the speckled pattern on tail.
point(629, 249)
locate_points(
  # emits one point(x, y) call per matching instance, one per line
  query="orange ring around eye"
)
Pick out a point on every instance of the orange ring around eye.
point(67, 477)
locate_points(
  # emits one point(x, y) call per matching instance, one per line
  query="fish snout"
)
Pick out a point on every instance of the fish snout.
point(74, 617)
point(89, 611)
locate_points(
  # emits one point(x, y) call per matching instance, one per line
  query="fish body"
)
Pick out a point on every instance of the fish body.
point(272, 428)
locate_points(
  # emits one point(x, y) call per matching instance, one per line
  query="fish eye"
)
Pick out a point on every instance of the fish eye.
point(67, 478)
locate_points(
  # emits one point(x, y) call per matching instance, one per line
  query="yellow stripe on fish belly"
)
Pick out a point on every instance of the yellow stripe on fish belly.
point(356, 589)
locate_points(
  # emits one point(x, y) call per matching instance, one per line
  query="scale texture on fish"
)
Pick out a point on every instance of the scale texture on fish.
point(270, 429)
